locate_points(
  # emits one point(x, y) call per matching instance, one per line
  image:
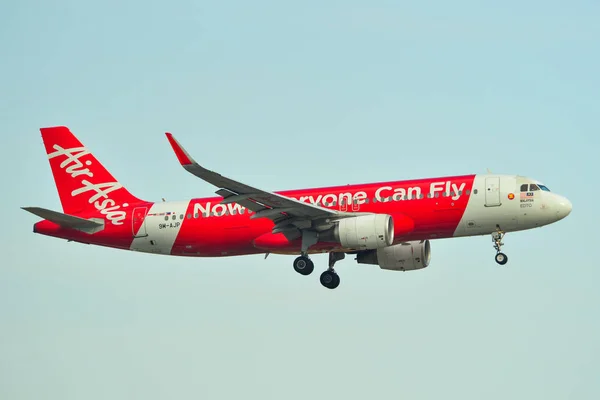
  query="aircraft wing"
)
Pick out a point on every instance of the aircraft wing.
point(282, 210)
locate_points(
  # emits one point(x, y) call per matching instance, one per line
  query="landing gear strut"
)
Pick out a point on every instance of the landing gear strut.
point(304, 265)
point(497, 236)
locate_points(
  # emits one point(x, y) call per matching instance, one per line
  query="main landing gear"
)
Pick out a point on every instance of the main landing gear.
point(304, 265)
point(497, 236)
point(329, 278)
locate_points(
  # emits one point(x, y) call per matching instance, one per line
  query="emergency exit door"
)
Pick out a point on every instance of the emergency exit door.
point(138, 222)
point(492, 192)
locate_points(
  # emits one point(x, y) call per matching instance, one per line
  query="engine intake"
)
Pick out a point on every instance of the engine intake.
point(406, 256)
point(374, 231)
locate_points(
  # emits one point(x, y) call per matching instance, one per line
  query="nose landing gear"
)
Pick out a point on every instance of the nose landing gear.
point(497, 236)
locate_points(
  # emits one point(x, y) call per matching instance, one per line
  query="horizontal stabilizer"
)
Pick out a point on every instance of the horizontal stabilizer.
point(67, 221)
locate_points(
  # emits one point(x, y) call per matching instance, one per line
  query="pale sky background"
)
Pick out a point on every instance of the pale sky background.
point(284, 96)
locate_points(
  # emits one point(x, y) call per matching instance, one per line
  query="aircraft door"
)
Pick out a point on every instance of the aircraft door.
point(492, 191)
point(138, 222)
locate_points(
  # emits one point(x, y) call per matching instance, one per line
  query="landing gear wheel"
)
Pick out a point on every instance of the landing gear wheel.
point(330, 279)
point(497, 239)
point(501, 258)
point(303, 265)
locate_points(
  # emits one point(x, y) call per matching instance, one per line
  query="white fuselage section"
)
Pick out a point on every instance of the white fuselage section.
point(498, 202)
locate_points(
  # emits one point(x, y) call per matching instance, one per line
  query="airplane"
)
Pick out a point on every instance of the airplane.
point(389, 224)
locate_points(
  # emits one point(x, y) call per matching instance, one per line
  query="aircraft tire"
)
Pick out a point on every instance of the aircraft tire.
point(303, 265)
point(501, 258)
point(330, 279)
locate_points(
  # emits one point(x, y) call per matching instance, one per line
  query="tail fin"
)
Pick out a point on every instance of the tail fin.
point(84, 185)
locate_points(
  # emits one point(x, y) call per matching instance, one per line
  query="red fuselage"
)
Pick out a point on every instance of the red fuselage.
point(421, 209)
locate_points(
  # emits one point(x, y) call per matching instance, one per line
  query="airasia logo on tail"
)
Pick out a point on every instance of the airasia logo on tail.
point(98, 192)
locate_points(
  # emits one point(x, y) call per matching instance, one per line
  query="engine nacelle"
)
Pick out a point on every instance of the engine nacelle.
point(365, 232)
point(406, 256)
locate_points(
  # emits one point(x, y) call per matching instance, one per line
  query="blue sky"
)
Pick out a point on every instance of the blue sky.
point(286, 96)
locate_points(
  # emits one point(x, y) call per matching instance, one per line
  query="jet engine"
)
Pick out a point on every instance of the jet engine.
point(365, 232)
point(406, 256)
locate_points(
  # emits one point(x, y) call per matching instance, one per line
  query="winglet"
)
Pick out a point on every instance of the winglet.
point(182, 155)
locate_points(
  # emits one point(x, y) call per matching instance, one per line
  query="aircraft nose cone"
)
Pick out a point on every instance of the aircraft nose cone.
point(564, 208)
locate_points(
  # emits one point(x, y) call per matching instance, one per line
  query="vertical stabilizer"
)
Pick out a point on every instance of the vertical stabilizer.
point(84, 185)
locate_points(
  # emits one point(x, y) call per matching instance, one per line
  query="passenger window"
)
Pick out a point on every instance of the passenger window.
point(474, 191)
point(174, 217)
point(468, 192)
point(524, 187)
point(196, 215)
point(189, 216)
point(533, 187)
point(166, 218)
point(437, 195)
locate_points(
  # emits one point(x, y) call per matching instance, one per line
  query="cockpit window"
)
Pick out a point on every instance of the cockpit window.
point(524, 187)
point(544, 188)
point(533, 187)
